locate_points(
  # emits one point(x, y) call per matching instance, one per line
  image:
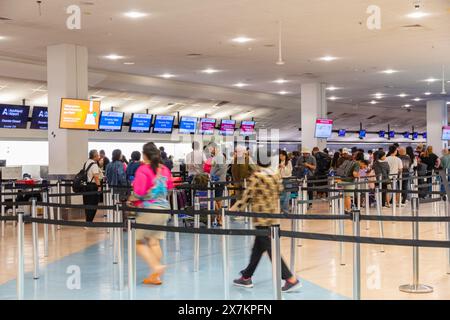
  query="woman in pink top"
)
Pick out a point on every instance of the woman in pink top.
point(151, 186)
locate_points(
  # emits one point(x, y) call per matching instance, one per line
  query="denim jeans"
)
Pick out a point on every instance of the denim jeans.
point(284, 201)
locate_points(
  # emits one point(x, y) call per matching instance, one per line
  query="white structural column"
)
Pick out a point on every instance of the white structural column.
point(314, 106)
point(436, 118)
point(67, 77)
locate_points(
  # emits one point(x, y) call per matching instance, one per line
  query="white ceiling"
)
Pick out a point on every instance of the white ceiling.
point(174, 29)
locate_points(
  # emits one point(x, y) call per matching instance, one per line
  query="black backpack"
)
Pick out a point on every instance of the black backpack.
point(80, 181)
point(323, 163)
point(345, 170)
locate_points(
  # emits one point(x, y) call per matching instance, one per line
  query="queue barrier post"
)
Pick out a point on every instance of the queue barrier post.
point(106, 200)
point(247, 219)
point(276, 260)
point(394, 197)
point(446, 208)
point(210, 204)
point(14, 208)
point(341, 230)
point(116, 244)
point(20, 258)
point(415, 287)
point(2, 209)
point(305, 196)
point(367, 205)
point(175, 219)
point(225, 260)
point(35, 236)
point(120, 247)
point(52, 214)
point(356, 256)
point(131, 259)
point(379, 213)
point(58, 210)
point(45, 199)
point(293, 261)
point(196, 236)
point(358, 194)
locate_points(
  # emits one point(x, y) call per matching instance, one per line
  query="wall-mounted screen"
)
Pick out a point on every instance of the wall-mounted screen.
point(415, 135)
point(39, 119)
point(391, 134)
point(79, 114)
point(446, 133)
point(140, 122)
point(207, 126)
point(324, 128)
point(163, 124)
point(381, 134)
point(406, 135)
point(342, 132)
point(13, 117)
point(111, 121)
point(362, 134)
point(424, 135)
point(227, 127)
point(188, 125)
point(247, 128)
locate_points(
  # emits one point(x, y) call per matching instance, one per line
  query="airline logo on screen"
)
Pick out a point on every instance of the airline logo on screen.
point(79, 114)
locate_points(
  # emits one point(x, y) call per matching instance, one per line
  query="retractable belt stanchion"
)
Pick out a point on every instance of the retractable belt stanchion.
point(210, 203)
point(298, 224)
point(2, 212)
point(35, 236)
point(358, 194)
point(45, 199)
point(14, 209)
point(106, 201)
point(58, 210)
point(415, 287)
point(367, 205)
point(52, 213)
point(175, 219)
point(356, 257)
point(196, 236)
point(276, 260)
point(304, 197)
point(20, 257)
point(378, 198)
point(445, 182)
point(131, 259)
point(247, 219)
point(115, 232)
point(341, 229)
point(394, 196)
point(120, 247)
point(225, 259)
point(110, 214)
point(294, 226)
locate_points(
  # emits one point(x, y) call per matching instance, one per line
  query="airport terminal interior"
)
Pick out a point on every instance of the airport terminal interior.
point(224, 150)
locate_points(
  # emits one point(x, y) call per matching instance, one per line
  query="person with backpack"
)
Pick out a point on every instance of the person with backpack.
point(348, 171)
point(90, 176)
point(323, 161)
point(381, 168)
point(407, 164)
point(116, 176)
point(134, 164)
point(306, 166)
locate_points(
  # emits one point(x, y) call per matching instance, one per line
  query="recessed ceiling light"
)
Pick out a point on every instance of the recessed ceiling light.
point(129, 63)
point(240, 84)
point(282, 92)
point(280, 81)
point(114, 57)
point(2, 38)
point(242, 39)
point(402, 95)
point(428, 93)
point(332, 88)
point(333, 98)
point(135, 14)
point(389, 71)
point(417, 14)
point(328, 58)
point(373, 102)
point(210, 71)
point(431, 80)
point(167, 75)
point(417, 99)
point(407, 105)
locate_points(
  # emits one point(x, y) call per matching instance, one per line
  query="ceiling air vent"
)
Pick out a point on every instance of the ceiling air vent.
point(5, 19)
point(194, 55)
point(221, 103)
point(412, 26)
point(371, 117)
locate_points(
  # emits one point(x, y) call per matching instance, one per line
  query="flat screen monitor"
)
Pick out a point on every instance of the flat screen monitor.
point(362, 134)
point(342, 132)
point(140, 122)
point(39, 119)
point(111, 121)
point(415, 135)
point(13, 116)
point(446, 133)
point(79, 114)
point(207, 126)
point(424, 135)
point(247, 128)
point(406, 135)
point(324, 128)
point(381, 134)
point(391, 134)
point(188, 125)
point(227, 127)
point(163, 124)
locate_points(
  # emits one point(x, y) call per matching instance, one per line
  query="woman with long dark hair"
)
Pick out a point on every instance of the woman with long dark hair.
point(285, 170)
point(151, 186)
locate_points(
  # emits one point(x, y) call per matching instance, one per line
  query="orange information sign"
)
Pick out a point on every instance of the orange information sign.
point(79, 114)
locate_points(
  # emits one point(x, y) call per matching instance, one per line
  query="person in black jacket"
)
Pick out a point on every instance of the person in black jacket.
point(381, 168)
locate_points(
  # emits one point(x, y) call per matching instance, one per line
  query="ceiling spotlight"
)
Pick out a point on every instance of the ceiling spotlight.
point(283, 92)
point(332, 88)
point(240, 84)
point(2, 38)
point(135, 14)
point(428, 93)
point(389, 71)
point(402, 95)
point(328, 58)
point(242, 39)
point(129, 63)
point(431, 80)
point(333, 98)
point(167, 75)
point(406, 105)
point(280, 81)
point(417, 99)
point(417, 14)
point(114, 57)
point(210, 71)
point(373, 102)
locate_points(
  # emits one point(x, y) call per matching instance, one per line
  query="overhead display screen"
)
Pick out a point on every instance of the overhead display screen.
point(39, 119)
point(111, 121)
point(207, 126)
point(79, 114)
point(415, 135)
point(163, 124)
point(13, 117)
point(381, 134)
point(140, 122)
point(391, 134)
point(362, 134)
point(188, 125)
point(446, 133)
point(227, 127)
point(342, 132)
point(406, 135)
point(324, 128)
point(247, 128)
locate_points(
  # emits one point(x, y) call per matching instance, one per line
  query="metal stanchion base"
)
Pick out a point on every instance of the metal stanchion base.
point(420, 288)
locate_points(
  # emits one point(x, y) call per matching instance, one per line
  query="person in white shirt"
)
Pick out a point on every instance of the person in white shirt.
point(395, 168)
point(194, 161)
point(285, 171)
point(93, 173)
